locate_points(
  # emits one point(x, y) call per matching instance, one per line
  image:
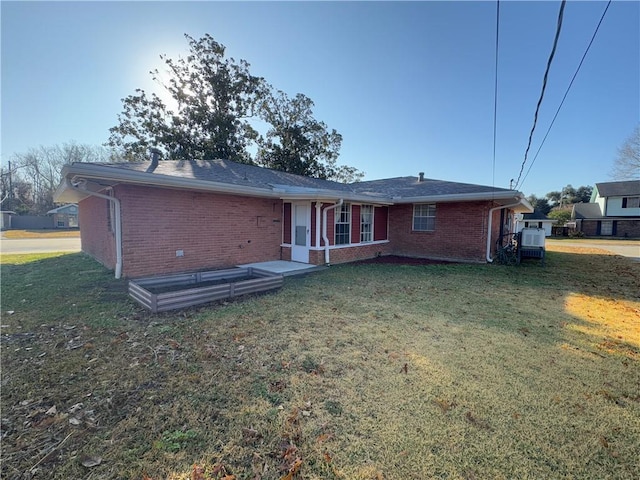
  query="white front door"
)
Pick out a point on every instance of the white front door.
point(300, 232)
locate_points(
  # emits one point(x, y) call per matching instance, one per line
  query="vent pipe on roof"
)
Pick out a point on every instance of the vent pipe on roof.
point(155, 157)
point(421, 177)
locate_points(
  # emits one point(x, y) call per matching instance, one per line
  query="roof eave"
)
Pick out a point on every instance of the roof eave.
point(500, 197)
point(155, 180)
point(334, 196)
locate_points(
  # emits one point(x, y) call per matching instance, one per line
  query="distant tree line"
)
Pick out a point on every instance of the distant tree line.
point(29, 180)
point(553, 203)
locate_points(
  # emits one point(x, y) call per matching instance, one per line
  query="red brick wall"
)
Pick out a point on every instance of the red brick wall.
point(624, 228)
point(96, 239)
point(628, 228)
point(214, 231)
point(350, 254)
point(459, 233)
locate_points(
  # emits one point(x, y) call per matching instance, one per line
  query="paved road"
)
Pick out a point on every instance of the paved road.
point(625, 249)
point(39, 245)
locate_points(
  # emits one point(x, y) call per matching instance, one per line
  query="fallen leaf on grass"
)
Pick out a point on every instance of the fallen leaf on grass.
point(445, 405)
point(297, 463)
point(197, 472)
point(324, 437)
point(478, 422)
point(327, 457)
point(603, 442)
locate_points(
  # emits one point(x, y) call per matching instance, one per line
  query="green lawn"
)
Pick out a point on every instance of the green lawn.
point(355, 372)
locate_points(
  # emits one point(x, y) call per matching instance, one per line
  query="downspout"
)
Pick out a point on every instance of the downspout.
point(118, 230)
point(318, 219)
point(491, 210)
point(324, 229)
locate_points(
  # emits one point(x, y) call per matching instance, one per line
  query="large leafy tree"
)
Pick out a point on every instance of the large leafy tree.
point(298, 143)
point(214, 99)
point(626, 166)
point(540, 204)
point(215, 102)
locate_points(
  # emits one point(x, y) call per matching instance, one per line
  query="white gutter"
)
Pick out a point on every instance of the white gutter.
point(324, 229)
point(458, 197)
point(491, 210)
point(118, 229)
point(318, 218)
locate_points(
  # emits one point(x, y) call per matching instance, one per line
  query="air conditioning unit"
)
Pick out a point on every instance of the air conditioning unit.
point(532, 237)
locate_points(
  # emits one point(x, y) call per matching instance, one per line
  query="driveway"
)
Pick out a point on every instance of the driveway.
point(625, 248)
point(39, 245)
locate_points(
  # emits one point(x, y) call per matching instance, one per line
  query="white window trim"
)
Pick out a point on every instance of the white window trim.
point(413, 218)
point(371, 223)
point(337, 215)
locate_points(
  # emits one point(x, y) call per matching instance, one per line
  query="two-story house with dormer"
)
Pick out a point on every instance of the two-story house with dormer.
point(613, 211)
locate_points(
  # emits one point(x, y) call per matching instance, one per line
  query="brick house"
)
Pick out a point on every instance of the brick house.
point(176, 216)
point(613, 211)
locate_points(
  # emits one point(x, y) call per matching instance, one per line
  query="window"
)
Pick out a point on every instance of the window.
point(424, 217)
point(606, 227)
point(630, 202)
point(366, 223)
point(343, 224)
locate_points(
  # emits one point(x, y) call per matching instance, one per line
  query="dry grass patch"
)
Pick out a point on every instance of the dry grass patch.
point(356, 372)
point(17, 234)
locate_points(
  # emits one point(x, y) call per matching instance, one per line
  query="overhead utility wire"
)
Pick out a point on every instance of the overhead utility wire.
point(495, 94)
point(568, 88)
point(544, 86)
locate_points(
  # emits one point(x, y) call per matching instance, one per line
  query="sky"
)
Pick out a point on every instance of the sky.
point(409, 85)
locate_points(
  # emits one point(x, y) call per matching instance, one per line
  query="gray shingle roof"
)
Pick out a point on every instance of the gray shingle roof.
point(226, 171)
point(619, 189)
point(536, 215)
point(586, 210)
point(408, 187)
point(224, 175)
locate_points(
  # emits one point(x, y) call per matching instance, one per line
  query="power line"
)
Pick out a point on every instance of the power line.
point(544, 86)
point(495, 94)
point(568, 88)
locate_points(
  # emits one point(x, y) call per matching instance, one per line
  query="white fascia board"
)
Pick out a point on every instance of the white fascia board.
point(328, 197)
point(506, 197)
point(157, 180)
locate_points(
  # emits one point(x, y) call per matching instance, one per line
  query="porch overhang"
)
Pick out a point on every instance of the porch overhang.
point(290, 193)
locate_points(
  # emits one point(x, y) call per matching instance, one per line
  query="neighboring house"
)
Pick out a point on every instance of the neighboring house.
point(176, 216)
point(537, 219)
point(5, 219)
point(614, 210)
point(65, 216)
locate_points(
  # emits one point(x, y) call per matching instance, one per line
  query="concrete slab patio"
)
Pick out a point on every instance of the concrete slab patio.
point(284, 267)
